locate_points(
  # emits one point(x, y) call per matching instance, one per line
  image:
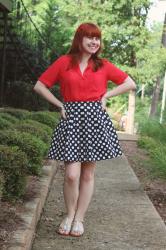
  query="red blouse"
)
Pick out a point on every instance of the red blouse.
point(75, 86)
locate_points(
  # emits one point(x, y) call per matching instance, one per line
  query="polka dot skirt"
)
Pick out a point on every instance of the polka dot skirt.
point(86, 135)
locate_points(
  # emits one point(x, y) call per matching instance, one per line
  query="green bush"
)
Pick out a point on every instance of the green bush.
point(31, 129)
point(152, 128)
point(37, 124)
point(159, 157)
point(9, 117)
point(146, 142)
point(142, 109)
point(4, 124)
point(13, 166)
point(32, 146)
point(157, 151)
point(21, 114)
point(45, 117)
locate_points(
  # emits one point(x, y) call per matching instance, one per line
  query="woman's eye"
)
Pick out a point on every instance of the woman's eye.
point(96, 38)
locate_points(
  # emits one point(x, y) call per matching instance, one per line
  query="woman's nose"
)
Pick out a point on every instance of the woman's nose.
point(94, 39)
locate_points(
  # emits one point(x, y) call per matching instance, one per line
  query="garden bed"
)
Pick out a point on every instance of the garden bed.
point(154, 187)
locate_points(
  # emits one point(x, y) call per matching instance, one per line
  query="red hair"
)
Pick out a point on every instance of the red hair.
point(89, 30)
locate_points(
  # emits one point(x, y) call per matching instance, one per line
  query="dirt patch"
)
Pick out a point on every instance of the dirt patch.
point(154, 187)
point(10, 219)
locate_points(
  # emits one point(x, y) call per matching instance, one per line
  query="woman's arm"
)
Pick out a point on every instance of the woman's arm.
point(43, 91)
point(127, 85)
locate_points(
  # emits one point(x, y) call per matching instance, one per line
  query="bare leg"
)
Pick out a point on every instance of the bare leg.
point(71, 193)
point(71, 186)
point(86, 189)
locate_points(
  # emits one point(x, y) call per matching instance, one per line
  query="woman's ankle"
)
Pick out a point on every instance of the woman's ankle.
point(79, 218)
point(71, 215)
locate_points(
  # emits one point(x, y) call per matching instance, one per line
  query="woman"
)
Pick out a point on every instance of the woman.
point(85, 133)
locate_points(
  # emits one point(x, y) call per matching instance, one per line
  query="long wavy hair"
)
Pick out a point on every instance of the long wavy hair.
point(75, 51)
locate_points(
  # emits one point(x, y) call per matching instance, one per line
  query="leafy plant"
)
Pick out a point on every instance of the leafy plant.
point(13, 166)
point(34, 148)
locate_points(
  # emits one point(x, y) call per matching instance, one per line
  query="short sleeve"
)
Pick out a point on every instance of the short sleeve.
point(114, 74)
point(52, 73)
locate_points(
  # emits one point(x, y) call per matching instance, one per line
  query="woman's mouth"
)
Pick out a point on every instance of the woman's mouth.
point(92, 47)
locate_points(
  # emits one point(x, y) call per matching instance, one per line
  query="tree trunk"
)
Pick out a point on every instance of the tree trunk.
point(164, 87)
point(155, 98)
point(163, 100)
point(156, 92)
point(164, 33)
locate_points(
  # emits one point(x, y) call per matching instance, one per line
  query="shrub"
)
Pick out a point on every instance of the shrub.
point(146, 142)
point(159, 157)
point(45, 117)
point(153, 128)
point(18, 113)
point(37, 124)
point(32, 146)
point(9, 117)
point(142, 108)
point(39, 132)
point(4, 124)
point(157, 151)
point(13, 166)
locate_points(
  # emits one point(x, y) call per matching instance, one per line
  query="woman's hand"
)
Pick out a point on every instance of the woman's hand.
point(103, 103)
point(63, 112)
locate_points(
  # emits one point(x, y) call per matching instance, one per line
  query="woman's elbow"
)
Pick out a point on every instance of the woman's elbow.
point(38, 86)
point(35, 87)
point(133, 86)
point(131, 83)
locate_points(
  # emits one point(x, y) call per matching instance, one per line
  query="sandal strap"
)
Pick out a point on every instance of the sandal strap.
point(75, 220)
point(78, 226)
point(66, 224)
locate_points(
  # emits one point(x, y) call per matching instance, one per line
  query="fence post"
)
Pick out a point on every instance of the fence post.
point(131, 112)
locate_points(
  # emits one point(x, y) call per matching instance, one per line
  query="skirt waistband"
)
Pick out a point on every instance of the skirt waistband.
point(81, 102)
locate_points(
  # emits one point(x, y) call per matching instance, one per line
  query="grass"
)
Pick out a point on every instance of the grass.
point(153, 139)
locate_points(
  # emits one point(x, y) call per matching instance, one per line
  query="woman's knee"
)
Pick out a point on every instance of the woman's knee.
point(72, 172)
point(87, 172)
point(72, 177)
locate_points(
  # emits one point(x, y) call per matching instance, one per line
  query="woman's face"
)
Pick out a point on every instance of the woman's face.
point(90, 45)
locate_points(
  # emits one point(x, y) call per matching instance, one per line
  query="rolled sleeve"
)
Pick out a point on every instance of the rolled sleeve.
point(115, 74)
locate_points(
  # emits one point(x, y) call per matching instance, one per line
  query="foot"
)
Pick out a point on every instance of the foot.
point(65, 226)
point(77, 228)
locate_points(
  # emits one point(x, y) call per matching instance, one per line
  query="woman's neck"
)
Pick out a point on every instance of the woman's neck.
point(85, 57)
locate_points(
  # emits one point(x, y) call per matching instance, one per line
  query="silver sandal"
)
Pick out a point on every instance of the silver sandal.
point(77, 228)
point(65, 227)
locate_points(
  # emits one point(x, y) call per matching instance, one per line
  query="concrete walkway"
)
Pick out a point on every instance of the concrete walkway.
point(120, 216)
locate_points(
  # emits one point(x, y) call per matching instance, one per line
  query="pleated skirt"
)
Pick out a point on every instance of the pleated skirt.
point(87, 134)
